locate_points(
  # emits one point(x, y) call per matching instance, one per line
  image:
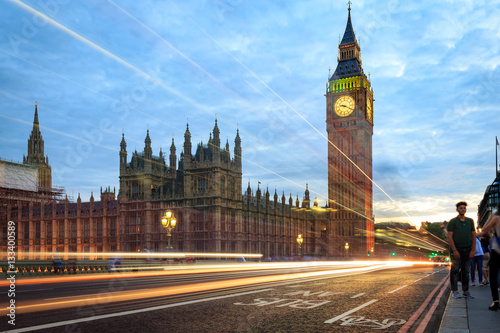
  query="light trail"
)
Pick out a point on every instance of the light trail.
point(34, 306)
point(219, 82)
point(84, 87)
point(187, 99)
point(422, 241)
point(195, 64)
point(407, 238)
point(108, 54)
point(144, 254)
point(214, 268)
point(298, 114)
point(60, 133)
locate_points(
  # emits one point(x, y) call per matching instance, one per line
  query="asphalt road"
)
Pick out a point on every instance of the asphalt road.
point(404, 299)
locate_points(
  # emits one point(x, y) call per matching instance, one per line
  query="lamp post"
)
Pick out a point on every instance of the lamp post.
point(300, 240)
point(168, 221)
point(346, 246)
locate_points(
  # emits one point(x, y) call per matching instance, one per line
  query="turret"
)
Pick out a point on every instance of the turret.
point(215, 145)
point(237, 149)
point(216, 138)
point(162, 160)
point(306, 203)
point(187, 148)
point(173, 156)
point(123, 153)
point(148, 152)
point(226, 151)
point(35, 155)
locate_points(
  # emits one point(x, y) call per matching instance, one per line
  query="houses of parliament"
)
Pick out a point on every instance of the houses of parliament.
point(203, 186)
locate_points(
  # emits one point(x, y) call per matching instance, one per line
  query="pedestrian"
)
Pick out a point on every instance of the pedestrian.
point(118, 262)
point(485, 243)
point(462, 240)
point(111, 265)
point(477, 262)
point(56, 259)
point(493, 223)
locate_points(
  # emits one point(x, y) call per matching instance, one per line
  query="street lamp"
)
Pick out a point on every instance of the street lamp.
point(300, 240)
point(168, 221)
point(346, 246)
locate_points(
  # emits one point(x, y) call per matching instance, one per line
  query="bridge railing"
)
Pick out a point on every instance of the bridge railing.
point(68, 267)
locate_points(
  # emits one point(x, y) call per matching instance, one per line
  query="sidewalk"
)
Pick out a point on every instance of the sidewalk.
point(471, 315)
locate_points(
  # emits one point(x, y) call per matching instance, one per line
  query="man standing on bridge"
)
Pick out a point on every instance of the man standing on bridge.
point(462, 240)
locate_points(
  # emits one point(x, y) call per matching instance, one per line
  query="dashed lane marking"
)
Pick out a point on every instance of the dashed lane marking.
point(131, 312)
point(393, 291)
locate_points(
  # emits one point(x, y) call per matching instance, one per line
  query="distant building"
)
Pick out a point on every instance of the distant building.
point(489, 201)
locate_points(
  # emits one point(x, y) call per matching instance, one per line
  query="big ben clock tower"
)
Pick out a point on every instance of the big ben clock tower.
point(349, 124)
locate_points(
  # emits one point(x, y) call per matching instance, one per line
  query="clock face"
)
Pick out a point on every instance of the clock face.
point(369, 111)
point(344, 106)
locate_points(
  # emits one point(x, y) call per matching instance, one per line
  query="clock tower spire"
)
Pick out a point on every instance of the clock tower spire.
point(349, 124)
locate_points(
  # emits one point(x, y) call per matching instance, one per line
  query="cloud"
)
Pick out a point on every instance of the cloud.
point(434, 71)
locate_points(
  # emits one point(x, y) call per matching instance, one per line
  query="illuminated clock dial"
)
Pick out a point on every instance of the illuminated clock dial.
point(344, 106)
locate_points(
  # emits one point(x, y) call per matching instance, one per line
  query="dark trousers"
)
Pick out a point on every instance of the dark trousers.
point(494, 266)
point(463, 263)
point(477, 261)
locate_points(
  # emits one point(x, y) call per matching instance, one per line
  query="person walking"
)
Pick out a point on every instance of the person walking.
point(485, 243)
point(462, 241)
point(493, 223)
point(477, 262)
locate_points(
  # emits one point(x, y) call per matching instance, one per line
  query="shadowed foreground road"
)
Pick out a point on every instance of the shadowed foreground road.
point(301, 299)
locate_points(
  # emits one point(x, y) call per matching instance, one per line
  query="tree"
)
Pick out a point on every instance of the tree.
point(435, 229)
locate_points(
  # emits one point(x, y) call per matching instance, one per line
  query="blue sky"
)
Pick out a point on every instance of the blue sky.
point(99, 68)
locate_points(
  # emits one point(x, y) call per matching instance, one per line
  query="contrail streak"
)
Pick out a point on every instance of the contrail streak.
point(296, 112)
point(108, 54)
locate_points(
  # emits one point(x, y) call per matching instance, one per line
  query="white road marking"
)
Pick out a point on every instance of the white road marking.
point(113, 292)
point(345, 314)
point(393, 291)
point(356, 296)
point(126, 313)
point(418, 280)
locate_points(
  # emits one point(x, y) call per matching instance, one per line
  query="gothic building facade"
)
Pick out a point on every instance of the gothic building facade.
point(213, 215)
point(203, 187)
